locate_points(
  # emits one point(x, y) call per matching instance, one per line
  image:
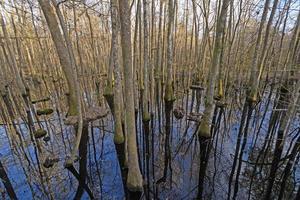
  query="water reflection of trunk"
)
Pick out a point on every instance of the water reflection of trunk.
point(7, 184)
point(205, 148)
point(7, 103)
point(167, 155)
point(18, 129)
point(152, 153)
point(147, 157)
point(281, 135)
point(292, 100)
point(239, 148)
point(269, 100)
point(96, 160)
point(19, 155)
point(81, 176)
point(298, 194)
point(275, 117)
point(77, 175)
point(241, 153)
point(82, 161)
point(120, 148)
point(287, 171)
point(216, 134)
point(204, 153)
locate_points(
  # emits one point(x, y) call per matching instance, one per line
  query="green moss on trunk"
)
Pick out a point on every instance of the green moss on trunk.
point(46, 111)
point(39, 133)
point(119, 138)
point(204, 129)
point(40, 100)
point(169, 94)
point(109, 97)
point(146, 116)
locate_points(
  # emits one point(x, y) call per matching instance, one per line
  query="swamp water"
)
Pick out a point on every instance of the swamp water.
point(103, 172)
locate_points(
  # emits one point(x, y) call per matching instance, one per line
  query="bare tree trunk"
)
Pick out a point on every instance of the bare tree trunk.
point(146, 96)
point(169, 93)
point(119, 138)
point(252, 93)
point(134, 177)
point(204, 131)
point(63, 55)
point(287, 115)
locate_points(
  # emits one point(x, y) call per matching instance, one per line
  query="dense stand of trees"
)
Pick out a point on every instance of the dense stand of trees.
point(227, 70)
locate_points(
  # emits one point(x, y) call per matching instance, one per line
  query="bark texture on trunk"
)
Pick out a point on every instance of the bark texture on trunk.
point(204, 129)
point(134, 177)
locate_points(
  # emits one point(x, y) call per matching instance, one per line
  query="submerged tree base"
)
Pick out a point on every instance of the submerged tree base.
point(204, 129)
point(39, 133)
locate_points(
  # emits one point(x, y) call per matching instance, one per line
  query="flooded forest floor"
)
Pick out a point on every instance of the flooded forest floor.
point(31, 180)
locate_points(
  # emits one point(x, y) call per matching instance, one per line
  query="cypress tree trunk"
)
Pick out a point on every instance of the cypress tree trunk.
point(204, 129)
point(119, 138)
point(134, 177)
point(63, 55)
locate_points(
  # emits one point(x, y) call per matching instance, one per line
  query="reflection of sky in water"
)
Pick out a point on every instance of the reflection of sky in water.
point(185, 164)
point(112, 186)
point(13, 169)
